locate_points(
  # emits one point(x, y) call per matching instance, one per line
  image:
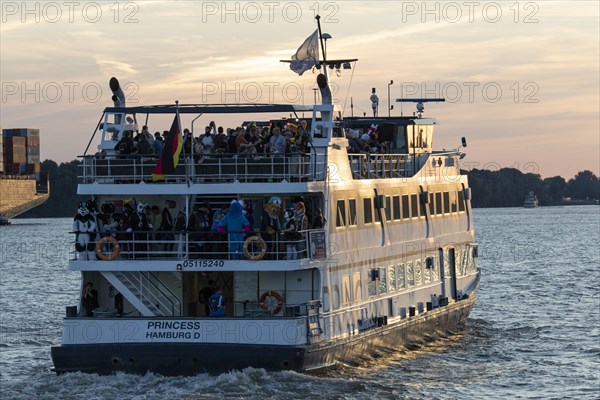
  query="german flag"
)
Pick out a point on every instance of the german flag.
point(169, 158)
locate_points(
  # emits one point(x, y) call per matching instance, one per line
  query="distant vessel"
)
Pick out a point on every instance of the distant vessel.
point(531, 201)
point(22, 185)
point(387, 259)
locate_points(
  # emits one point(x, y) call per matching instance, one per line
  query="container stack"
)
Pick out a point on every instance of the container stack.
point(21, 151)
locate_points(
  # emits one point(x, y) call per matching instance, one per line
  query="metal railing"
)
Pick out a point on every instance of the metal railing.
point(207, 168)
point(147, 289)
point(191, 245)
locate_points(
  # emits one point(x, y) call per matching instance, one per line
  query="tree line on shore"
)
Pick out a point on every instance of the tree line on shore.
point(506, 187)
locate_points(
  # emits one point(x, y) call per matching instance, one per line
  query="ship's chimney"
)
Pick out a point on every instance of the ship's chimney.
point(118, 96)
point(324, 87)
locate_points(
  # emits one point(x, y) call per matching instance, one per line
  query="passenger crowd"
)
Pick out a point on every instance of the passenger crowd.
point(279, 139)
point(146, 231)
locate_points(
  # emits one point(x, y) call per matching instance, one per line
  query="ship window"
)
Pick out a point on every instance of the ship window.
point(418, 272)
point(446, 203)
point(414, 206)
point(459, 263)
point(372, 283)
point(325, 299)
point(400, 277)
point(427, 274)
point(438, 203)
point(335, 296)
point(431, 204)
point(461, 201)
point(435, 269)
point(392, 277)
point(368, 211)
point(405, 207)
point(341, 213)
point(453, 202)
point(357, 286)
point(446, 263)
point(352, 212)
point(346, 289)
point(410, 277)
point(382, 281)
point(396, 203)
point(388, 208)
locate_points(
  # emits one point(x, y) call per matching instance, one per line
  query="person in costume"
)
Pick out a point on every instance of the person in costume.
point(290, 233)
point(271, 226)
point(301, 227)
point(85, 228)
point(236, 225)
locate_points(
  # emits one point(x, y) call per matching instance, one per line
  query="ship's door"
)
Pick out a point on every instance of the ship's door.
point(452, 264)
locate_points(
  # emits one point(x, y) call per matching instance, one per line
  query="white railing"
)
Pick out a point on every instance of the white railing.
point(208, 168)
point(170, 245)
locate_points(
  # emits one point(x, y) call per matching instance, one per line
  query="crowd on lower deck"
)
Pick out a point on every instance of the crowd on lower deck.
point(207, 231)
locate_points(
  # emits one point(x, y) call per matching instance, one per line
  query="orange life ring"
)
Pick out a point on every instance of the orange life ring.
point(107, 257)
point(271, 301)
point(249, 251)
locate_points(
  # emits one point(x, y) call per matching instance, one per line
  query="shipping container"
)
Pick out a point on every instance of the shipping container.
point(33, 168)
point(33, 159)
point(33, 151)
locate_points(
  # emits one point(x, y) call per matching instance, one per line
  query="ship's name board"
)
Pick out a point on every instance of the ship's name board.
point(234, 331)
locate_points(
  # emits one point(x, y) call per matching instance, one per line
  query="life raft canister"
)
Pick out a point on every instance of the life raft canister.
point(271, 301)
point(251, 245)
point(110, 256)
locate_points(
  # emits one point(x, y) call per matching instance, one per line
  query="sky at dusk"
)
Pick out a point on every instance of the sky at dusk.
point(521, 78)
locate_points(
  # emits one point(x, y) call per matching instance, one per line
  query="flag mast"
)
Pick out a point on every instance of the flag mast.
point(318, 18)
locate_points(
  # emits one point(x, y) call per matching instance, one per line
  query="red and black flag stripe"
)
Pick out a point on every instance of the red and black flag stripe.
point(169, 158)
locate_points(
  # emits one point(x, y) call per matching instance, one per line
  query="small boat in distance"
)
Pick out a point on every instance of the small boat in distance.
point(531, 201)
point(4, 220)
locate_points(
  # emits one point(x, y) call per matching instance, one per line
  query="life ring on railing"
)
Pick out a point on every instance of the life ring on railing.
point(111, 256)
point(271, 301)
point(251, 245)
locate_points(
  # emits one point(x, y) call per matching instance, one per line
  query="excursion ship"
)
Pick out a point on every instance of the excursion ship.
point(531, 201)
point(382, 254)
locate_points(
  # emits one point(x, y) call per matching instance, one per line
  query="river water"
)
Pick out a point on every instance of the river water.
point(534, 331)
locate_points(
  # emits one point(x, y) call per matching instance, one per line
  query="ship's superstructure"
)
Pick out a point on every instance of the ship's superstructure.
point(341, 251)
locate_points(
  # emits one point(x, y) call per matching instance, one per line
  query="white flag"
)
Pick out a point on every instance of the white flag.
point(307, 55)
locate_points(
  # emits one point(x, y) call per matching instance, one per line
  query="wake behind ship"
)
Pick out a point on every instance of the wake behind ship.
point(282, 244)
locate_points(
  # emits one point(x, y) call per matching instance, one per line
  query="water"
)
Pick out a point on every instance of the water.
point(534, 332)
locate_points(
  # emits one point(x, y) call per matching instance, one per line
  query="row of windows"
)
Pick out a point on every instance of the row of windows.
point(397, 277)
point(402, 276)
point(399, 207)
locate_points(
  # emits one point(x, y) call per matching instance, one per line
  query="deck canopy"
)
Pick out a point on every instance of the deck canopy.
point(210, 109)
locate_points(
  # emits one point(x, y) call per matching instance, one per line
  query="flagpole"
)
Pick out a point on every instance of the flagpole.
point(318, 18)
